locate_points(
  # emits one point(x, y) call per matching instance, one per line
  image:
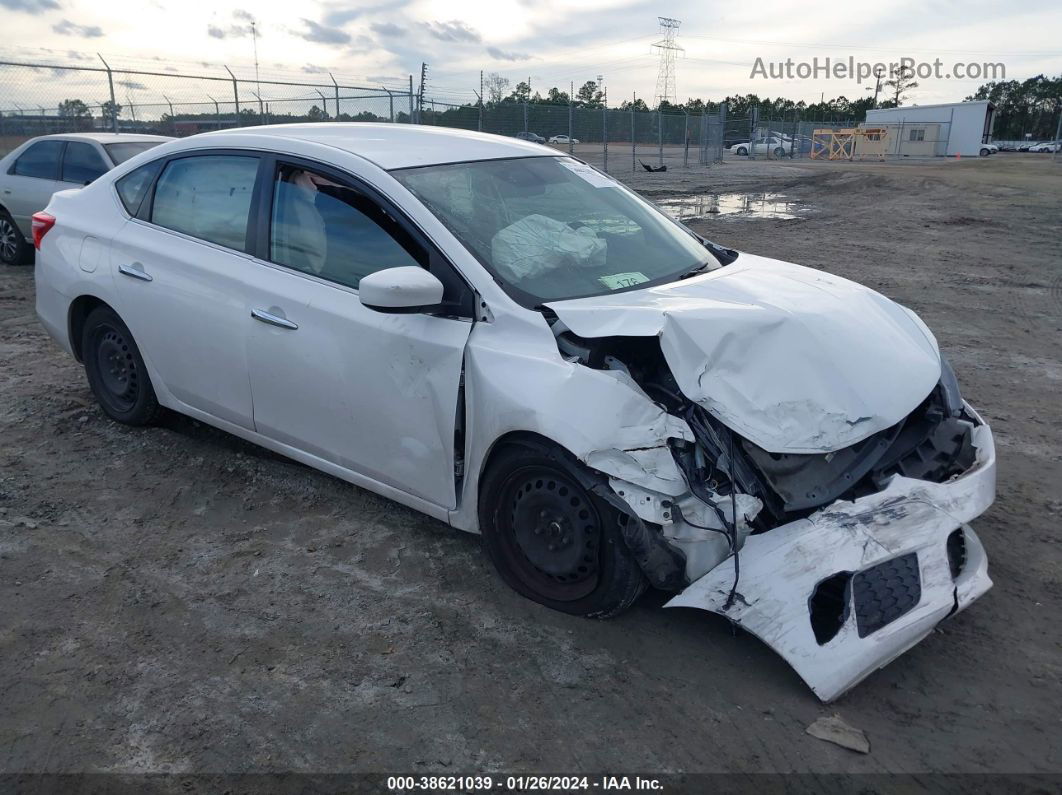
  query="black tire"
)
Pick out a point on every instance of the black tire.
point(742, 150)
point(550, 539)
point(985, 152)
point(115, 369)
point(779, 153)
point(13, 248)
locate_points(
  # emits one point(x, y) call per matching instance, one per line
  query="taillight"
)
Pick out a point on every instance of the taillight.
point(42, 222)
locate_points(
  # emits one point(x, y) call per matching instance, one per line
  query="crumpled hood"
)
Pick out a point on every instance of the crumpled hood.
point(793, 359)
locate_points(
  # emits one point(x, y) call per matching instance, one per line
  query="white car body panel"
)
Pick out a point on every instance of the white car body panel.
point(382, 414)
point(794, 359)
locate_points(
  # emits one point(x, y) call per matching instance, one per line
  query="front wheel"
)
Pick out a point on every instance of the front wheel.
point(13, 248)
point(116, 371)
point(985, 152)
point(742, 150)
point(551, 540)
point(779, 153)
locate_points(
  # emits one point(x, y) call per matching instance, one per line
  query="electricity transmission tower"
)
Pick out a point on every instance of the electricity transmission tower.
point(665, 77)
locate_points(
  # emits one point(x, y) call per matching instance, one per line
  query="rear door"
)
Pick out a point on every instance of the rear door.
point(82, 164)
point(181, 269)
point(376, 393)
point(31, 181)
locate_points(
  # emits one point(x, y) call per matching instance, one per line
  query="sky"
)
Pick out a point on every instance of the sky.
point(550, 42)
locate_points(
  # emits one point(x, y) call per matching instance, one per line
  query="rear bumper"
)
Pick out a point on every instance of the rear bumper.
point(879, 614)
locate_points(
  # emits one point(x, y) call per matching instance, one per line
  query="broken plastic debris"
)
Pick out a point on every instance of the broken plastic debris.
point(834, 730)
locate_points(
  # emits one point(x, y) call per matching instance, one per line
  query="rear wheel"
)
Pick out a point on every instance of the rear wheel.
point(742, 150)
point(985, 152)
point(115, 369)
point(13, 248)
point(553, 541)
point(779, 152)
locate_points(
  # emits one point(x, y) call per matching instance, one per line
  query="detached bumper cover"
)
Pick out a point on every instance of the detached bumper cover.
point(887, 600)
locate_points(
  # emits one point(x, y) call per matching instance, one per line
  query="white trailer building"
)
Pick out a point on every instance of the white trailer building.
point(958, 128)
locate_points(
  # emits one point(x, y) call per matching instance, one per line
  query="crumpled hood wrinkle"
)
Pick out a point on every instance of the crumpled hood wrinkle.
point(793, 359)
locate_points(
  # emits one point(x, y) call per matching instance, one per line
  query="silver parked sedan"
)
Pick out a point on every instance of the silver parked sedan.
point(30, 174)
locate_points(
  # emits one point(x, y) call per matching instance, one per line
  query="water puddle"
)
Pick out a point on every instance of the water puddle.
point(739, 205)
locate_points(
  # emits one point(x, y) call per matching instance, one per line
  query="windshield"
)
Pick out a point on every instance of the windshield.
point(551, 228)
point(121, 152)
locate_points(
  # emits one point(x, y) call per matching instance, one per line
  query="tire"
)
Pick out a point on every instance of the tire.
point(779, 153)
point(13, 248)
point(985, 152)
point(116, 371)
point(550, 539)
point(742, 150)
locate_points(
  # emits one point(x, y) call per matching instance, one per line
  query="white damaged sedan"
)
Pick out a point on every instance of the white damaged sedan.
point(510, 341)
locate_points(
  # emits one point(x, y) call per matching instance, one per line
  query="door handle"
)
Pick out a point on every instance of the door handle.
point(273, 320)
point(135, 272)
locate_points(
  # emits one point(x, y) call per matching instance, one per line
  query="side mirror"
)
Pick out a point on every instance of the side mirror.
point(400, 290)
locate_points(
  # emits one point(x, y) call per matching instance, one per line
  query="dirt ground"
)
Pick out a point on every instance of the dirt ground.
point(175, 600)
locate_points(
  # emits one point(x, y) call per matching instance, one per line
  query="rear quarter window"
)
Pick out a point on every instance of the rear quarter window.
point(133, 187)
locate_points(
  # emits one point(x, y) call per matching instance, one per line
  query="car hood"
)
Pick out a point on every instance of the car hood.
point(793, 359)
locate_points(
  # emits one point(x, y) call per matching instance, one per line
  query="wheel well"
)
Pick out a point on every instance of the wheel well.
point(517, 439)
point(80, 309)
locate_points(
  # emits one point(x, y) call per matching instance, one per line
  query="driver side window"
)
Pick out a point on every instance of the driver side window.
point(327, 229)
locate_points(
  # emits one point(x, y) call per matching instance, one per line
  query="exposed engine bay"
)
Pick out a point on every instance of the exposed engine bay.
point(932, 443)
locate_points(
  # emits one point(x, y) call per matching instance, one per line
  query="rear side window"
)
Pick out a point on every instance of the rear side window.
point(82, 163)
point(208, 197)
point(41, 160)
point(133, 187)
point(329, 230)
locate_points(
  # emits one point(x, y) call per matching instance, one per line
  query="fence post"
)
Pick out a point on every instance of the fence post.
point(235, 95)
point(660, 134)
point(604, 134)
point(686, 140)
point(752, 132)
point(217, 111)
point(411, 99)
point(571, 145)
point(634, 156)
point(525, 117)
point(335, 86)
point(723, 108)
point(110, 85)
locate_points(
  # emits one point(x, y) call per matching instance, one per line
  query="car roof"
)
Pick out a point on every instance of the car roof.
point(393, 146)
point(106, 137)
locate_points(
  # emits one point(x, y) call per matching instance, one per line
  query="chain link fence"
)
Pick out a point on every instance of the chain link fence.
point(611, 139)
point(39, 99)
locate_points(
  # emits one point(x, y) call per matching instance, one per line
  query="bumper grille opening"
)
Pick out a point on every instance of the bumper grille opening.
point(829, 606)
point(956, 552)
point(885, 592)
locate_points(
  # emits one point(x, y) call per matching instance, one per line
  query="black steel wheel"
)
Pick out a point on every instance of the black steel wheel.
point(551, 539)
point(13, 248)
point(115, 369)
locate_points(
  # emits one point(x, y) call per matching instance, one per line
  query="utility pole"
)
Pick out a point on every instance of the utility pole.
point(257, 81)
point(877, 85)
point(420, 92)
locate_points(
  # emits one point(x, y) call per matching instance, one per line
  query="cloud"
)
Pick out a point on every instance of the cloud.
point(454, 30)
point(323, 35)
point(337, 17)
point(30, 6)
point(233, 31)
point(387, 29)
point(502, 55)
point(68, 28)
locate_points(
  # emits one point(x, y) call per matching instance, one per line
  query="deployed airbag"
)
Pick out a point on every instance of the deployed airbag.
point(537, 244)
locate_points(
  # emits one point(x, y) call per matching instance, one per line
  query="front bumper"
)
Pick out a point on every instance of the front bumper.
point(784, 573)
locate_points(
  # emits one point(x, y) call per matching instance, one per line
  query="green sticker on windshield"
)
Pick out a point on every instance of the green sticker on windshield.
point(619, 280)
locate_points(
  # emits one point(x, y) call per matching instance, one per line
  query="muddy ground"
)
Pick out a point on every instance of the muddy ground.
point(173, 599)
